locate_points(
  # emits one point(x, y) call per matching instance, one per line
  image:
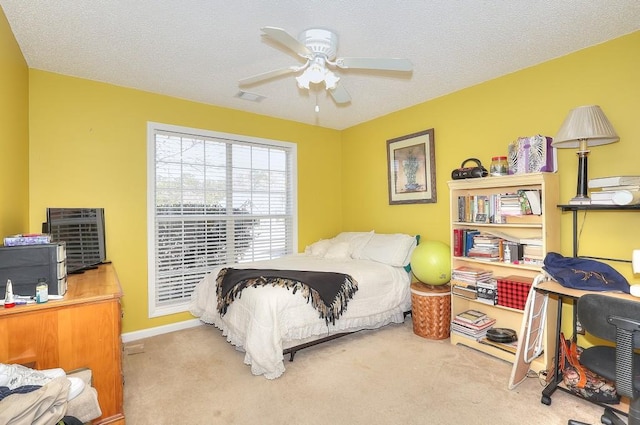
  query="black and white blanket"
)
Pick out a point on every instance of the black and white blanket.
point(328, 292)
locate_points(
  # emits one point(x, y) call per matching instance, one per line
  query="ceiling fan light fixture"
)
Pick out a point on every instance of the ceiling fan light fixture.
point(330, 80)
point(317, 73)
point(319, 47)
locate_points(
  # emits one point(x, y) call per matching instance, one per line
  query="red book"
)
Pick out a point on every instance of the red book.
point(457, 242)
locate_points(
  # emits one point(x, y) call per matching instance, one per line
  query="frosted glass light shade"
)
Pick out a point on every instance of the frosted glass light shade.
point(585, 123)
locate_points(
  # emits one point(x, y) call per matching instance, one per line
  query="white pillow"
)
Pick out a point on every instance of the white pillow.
point(393, 249)
point(318, 248)
point(356, 240)
point(338, 250)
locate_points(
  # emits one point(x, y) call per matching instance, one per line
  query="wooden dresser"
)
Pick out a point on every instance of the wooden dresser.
point(82, 330)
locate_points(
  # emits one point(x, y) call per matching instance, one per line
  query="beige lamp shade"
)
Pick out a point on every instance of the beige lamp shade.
point(585, 123)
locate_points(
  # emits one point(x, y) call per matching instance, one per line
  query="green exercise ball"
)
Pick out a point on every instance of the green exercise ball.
point(431, 262)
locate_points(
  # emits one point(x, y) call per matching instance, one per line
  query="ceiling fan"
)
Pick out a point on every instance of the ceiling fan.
point(318, 46)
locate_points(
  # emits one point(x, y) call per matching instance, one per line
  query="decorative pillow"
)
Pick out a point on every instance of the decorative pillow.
point(318, 248)
point(393, 249)
point(357, 241)
point(338, 250)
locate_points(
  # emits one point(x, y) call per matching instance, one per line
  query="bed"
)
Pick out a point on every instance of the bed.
point(266, 322)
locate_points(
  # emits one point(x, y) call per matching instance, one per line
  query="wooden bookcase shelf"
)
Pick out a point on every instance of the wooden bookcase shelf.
point(545, 227)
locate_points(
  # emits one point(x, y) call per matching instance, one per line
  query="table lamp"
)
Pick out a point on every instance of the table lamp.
point(584, 126)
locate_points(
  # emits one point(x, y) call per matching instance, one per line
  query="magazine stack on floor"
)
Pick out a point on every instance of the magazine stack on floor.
point(472, 324)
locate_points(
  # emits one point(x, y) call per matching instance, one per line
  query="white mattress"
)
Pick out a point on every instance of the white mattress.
point(265, 320)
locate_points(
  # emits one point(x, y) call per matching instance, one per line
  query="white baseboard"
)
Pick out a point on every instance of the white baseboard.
point(159, 330)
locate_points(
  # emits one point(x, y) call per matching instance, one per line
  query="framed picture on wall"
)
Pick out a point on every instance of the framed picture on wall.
point(412, 168)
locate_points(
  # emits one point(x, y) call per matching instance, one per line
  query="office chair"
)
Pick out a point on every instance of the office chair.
point(616, 320)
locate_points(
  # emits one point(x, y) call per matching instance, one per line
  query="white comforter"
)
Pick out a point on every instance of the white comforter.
point(265, 320)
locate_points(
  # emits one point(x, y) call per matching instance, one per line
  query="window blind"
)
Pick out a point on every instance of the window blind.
point(217, 199)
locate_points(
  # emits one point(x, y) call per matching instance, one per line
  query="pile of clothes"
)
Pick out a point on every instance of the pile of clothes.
point(44, 397)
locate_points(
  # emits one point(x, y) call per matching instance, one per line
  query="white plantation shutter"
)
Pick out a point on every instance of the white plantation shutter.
point(214, 199)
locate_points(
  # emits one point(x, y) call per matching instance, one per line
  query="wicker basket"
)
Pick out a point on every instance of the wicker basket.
point(431, 310)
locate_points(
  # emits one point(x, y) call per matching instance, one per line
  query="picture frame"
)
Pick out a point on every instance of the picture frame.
point(412, 168)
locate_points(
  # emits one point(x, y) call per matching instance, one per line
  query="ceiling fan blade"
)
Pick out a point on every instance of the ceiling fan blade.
point(267, 75)
point(384, 64)
point(287, 40)
point(340, 94)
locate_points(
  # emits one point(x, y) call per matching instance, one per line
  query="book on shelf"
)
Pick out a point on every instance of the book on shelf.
point(470, 274)
point(467, 241)
point(533, 260)
point(484, 255)
point(531, 241)
point(470, 336)
point(473, 331)
point(468, 332)
point(457, 242)
point(471, 316)
point(602, 202)
point(533, 250)
point(525, 205)
point(510, 204)
point(534, 197)
point(533, 254)
point(466, 291)
point(603, 195)
point(481, 324)
point(615, 197)
point(613, 181)
point(633, 187)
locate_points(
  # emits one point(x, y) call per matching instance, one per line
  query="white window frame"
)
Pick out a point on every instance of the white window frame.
point(156, 310)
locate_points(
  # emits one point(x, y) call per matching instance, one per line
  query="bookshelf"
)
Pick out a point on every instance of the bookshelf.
point(544, 228)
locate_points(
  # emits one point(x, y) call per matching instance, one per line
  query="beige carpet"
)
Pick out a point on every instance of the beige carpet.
point(388, 376)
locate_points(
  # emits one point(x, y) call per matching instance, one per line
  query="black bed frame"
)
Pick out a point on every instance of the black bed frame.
point(293, 350)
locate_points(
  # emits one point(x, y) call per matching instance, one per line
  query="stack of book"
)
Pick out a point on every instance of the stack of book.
point(510, 204)
point(465, 278)
point(463, 241)
point(615, 190)
point(485, 247)
point(472, 324)
point(533, 254)
point(470, 275)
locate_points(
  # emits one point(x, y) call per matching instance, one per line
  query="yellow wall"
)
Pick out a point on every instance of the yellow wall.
point(14, 130)
point(87, 147)
point(88, 143)
point(480, 121)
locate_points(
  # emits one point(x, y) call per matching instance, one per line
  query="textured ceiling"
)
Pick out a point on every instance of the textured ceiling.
point(199, 49)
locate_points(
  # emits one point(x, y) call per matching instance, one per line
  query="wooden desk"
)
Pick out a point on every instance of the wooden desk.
point(555, 289)
point(82, 330)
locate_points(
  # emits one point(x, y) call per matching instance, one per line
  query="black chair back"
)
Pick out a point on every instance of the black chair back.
point(616, 320)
